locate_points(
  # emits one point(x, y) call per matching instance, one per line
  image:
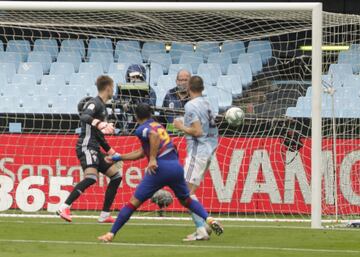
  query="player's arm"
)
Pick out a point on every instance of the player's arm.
point(132, 156)
point(87, 116)
point(194, 130)
point(154, 140)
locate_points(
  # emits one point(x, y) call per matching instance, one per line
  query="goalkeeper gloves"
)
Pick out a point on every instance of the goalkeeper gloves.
point(103, 126)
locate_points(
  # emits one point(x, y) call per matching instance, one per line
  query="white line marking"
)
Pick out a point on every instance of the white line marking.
point(185, 246)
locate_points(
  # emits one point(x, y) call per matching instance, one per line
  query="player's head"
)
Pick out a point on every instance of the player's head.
point(196, 86)
point(105, 86)
point(182, 80)
point(142, 112)
point(136, 73)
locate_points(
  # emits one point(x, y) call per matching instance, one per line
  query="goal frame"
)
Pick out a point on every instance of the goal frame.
point(315, 8)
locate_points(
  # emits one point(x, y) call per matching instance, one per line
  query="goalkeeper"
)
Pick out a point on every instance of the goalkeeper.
point(93, 127)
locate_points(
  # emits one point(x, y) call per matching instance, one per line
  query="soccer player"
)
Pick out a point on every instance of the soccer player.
point(93, 127)
point(201, 139)
point(163, 169)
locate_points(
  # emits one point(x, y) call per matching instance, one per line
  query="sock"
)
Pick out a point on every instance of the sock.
point(123, 216)
point(104, 214)
point(199, 222)
point(64, 206)
point(197, 208)
point(80, 188)
point(111, 191)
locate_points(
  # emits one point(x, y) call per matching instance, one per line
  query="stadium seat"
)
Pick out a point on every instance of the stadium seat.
point(64, 104)
point(242, 70)
point(194, 59)
point(34, 68)
point(104, 58)
point(100, 45)
point(91, 91)
point(175, 68)
point(254, 60)
point(332, 80)
point(75, 90)
point(129, 57)
point(262, 47)
point(3, 79)
point(7, 104)
point(206, 48)
point(351, 57)
point(163, 59)
point(19, 46)
point(9, 69)
point(117, 78)
point(28, 104)
point(341, 70)
point(223, 59)
point(212, 95)
point(85, 79)
point(231, 83)
point(49, 90)
point(70, 57)
point(126, 46)
point(11, 90)
point(1, 46)
point(234, 48)
point(351, 81)
point(155, 72)
point(152, 48)
point(29, 79)
point(178, 48)
point(42, 57)
point(10, 57)
point(119, 68)
point(47, 45)
point(212, 71)
point(62, 68)
point(223, 96)
point(294, 112)
point(164, 84)
point(94, 68)
point(73, 45)
point(57, 81)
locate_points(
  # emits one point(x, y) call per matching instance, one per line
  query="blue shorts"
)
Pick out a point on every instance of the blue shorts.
point(169, 173)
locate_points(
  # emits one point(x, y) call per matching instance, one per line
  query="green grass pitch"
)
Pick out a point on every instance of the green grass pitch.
point(49, 237)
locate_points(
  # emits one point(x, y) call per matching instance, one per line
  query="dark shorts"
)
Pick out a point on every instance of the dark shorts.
point(92, 158)
point(169, 173)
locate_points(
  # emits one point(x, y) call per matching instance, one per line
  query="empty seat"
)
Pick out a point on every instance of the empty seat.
point(164, 84)
point(34, 68)
point(194, 59)
point(178, 48)
point(253, 59)
point(49, 90)
point(1, 46)
point(10, 57)
point(117, 78)
point(64, 104)
point(175, 68)
point(104, 58)
point(242, 70)
point(129, 57)
point(126, 46)
point(262, 47)
point(3, 80)
point(234, 48)
point(212, 71)
point(152, 48)
point(57, 81)
point(7, 104)
point(28, 79)
point(11, 90)
point(73, 45)
point(332, 80)
point(223, 59)
point(94, 68)
point(352, 81)
point(9, 69)
point(230, 83)
point(85, 79)
point(70, 57)
point(342, 70)
point(163, 59)
point(19, 46)
point(351, 57)
point(73, 90)
point(47, 45)
point(42, 57)
point(100, 45)
point(156, 71)
point(62, 68)
point(119, 68)
point(206, 48)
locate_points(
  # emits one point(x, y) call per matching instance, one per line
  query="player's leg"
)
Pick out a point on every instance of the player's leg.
point(89, 163)
point(113, 173)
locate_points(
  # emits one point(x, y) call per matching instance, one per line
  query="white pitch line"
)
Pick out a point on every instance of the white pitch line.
point(264, 248)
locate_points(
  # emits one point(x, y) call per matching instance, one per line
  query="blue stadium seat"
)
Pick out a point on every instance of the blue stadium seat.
point(42, 57)
point(19, 46)
point(29, 104)
point(1, 46)
point(231, 83)
point(3, 80)
point(7, 104)
point(129, 57)
point(64, 104)
point(194, 59)
point(242, 70)
point(235, 48)
point(175, 68)
point(11, 90)
point(62, 68)
point(104, 58)
point(70, 57)
point(119, 68)
point(294, 112)
point(163, 59)
point(152, 48)
point(100, 45)
point(10, 57)
point(91, 91)
point(223, 59)
point(178, 48)
point(332, 80)
point(206, 48)
point(34, 68)
point(341, 70)
point(94, 68)
point(262, 47)
point(351, 81)
point(224, 97)
point(57, 81)
point(117, 78)
point(209, 72)
point(84, 79)
point(74, 90)
point(47, 45)
point(28, 79)
point(164, 84)
point(155, 72)
point(254, 60)
point(126, 46)
point(9, 69)
point(73, 45)
point(49, 90)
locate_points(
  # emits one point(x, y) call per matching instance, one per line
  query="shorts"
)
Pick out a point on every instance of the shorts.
point(195, 168)
point(93, 159)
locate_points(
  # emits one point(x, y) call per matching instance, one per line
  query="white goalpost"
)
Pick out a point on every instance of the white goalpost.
point(250, 155)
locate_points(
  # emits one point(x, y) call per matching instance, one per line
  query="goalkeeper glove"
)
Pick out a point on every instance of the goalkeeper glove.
point(103, 126)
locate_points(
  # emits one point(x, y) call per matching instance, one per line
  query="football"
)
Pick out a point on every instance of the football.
point(235, 116)
point(162, 198)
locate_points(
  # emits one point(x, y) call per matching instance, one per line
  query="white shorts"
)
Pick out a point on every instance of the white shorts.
point(195, 169)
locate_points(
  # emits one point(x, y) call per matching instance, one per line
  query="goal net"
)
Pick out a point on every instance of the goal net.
point(248, 58)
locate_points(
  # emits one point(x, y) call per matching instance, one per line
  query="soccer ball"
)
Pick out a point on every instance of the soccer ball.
point(235, 116)
point(162, 198)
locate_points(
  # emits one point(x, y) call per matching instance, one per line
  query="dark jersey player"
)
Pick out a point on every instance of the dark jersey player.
point(163, 169)
point(93, 127)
